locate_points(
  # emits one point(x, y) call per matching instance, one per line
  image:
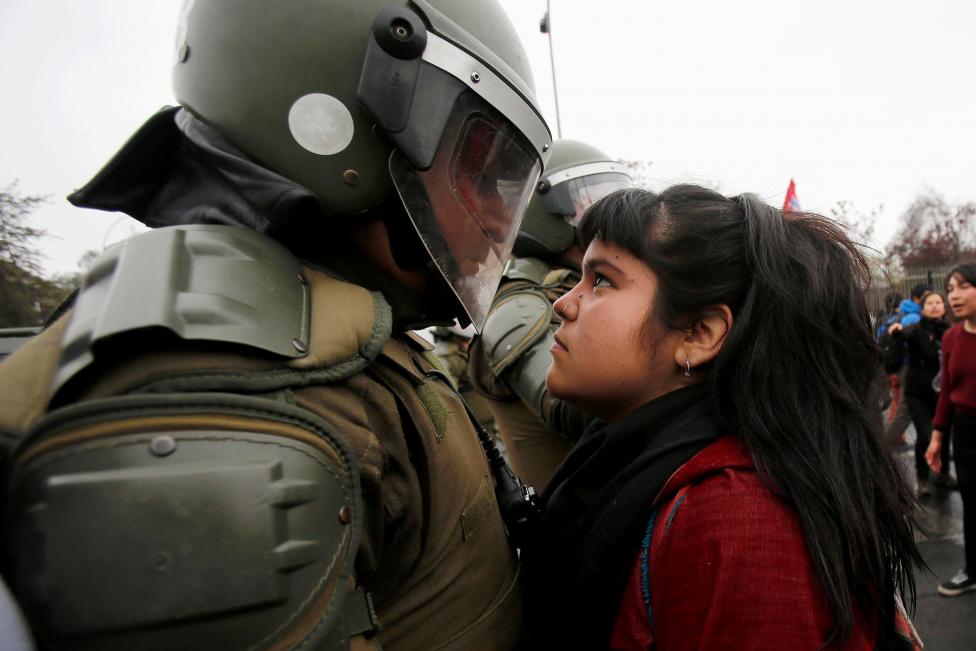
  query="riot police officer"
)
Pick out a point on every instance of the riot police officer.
point(230, 442)
point(510, 360)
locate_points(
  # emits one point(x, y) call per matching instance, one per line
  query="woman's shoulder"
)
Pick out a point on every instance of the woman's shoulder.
point(953, 333)
point(726, 555)
point(718, 507)
point(721, 497)
point(726, 454)
point(954, 337)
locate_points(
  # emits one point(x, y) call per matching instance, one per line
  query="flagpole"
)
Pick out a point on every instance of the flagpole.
point(546, 29)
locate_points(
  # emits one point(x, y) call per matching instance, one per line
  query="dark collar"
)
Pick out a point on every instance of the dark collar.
point(597, 506)
point(177, 170)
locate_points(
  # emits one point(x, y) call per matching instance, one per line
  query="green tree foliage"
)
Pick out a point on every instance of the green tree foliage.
point(26, 297)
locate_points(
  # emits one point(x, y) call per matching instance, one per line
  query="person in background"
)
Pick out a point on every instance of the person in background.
point(923, 344)
point(736, 491)
point(909, 312)
point(510, 359)
point(957, 410)
point(911, 307)
point(889, 313)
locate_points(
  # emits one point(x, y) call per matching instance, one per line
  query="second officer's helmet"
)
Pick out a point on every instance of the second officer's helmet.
point(577, 175)
point(355, 99)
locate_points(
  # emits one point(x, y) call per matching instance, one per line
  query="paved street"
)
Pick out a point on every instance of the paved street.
point(944, 624)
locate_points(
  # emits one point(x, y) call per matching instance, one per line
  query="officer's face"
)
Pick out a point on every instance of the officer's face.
point(606, 360)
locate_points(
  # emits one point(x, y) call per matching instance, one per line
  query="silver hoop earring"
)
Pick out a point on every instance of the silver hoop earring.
point(687, 367)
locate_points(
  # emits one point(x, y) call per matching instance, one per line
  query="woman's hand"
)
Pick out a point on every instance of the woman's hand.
point(932, 456)
point(894, 327)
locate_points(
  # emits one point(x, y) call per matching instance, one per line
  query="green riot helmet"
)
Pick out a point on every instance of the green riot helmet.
point(577, 175)
point(355, 99)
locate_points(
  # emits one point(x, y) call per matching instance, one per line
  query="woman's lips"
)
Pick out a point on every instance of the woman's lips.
point(559, 343)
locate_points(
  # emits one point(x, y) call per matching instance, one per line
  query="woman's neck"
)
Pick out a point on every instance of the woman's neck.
point(969, 324)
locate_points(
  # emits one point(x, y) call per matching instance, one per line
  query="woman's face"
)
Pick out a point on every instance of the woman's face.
point(933, 307)
point(962, 297)
point(604, 359)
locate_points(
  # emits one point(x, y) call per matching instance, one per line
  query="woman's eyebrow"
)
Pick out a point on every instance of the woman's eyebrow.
point(601, 264)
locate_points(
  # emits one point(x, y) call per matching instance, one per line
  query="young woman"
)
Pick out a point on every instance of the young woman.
point(957, 408)
point(923, 341)
point(736, 492)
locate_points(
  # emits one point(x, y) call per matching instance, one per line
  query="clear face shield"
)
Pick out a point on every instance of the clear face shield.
point(574, 190)
point(468, 205)
point(469, 149)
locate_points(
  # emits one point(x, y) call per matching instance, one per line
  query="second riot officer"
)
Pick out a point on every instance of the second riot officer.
point(230, 442)
point(510, 360)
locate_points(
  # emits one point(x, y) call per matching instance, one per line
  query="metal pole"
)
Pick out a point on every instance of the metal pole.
point(545, 28)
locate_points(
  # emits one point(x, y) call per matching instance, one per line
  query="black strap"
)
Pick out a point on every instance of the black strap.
point(360, 615)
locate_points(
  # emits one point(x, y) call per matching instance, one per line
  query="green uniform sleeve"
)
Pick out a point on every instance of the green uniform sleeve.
point(526, 377)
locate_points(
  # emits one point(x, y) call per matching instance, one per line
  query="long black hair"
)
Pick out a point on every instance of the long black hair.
point(796, 377)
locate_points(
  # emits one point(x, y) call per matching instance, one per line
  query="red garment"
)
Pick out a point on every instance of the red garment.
point(958, 376)
point(896, 397)
point(728, 567)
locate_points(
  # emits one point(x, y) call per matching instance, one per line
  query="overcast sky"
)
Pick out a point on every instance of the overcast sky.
point(867, 101)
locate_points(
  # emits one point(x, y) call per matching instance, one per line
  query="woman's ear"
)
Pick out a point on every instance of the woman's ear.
point(703, 339)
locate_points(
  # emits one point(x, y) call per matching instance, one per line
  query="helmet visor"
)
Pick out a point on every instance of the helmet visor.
point(571, 198)
point(467, 207)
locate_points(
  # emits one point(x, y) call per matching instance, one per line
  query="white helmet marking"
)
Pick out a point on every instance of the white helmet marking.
point(321, 124)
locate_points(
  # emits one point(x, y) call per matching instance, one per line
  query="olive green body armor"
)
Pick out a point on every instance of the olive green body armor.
point(509, 363)
point(219, 448)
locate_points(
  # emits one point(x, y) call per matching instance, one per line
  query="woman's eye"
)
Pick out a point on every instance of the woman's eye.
point(599, 280)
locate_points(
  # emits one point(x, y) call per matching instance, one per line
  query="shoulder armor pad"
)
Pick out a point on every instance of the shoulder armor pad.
point(200, 282)
point(349, 325)
point(515, 323)
point(530, 269)
point(208, 522)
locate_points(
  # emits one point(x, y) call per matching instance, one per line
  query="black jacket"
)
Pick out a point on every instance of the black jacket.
point(923, 341)
point(595, 509)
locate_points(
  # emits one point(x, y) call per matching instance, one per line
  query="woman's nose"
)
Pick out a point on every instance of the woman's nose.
point(560, 306)
point(566, 307)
